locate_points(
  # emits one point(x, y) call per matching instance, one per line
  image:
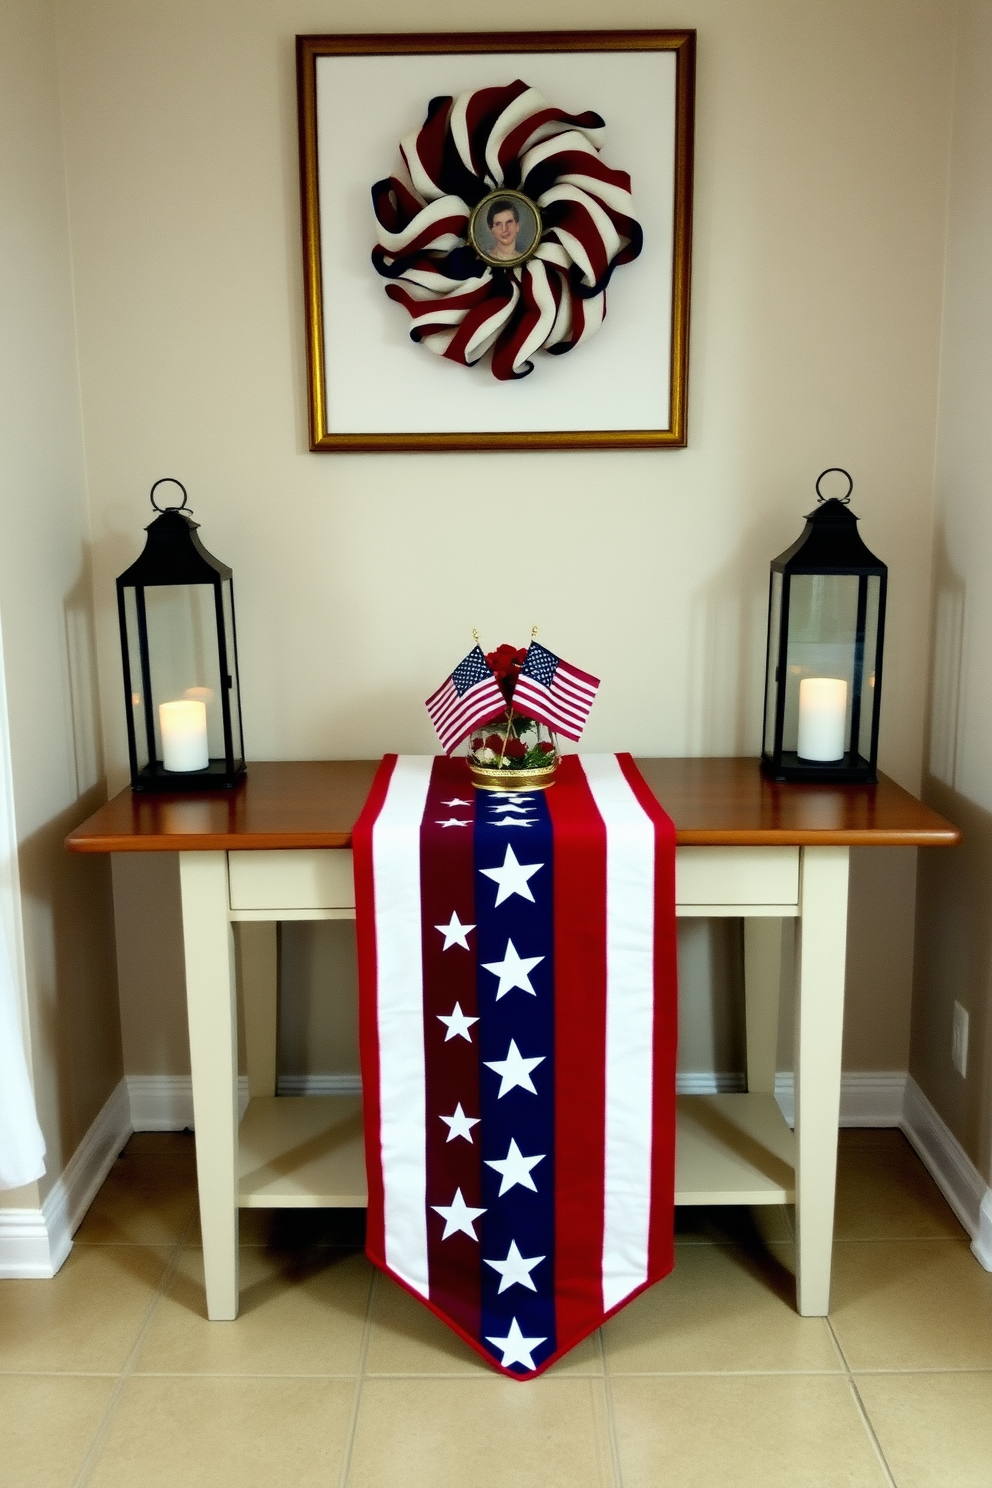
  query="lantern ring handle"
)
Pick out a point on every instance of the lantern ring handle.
point(835, 470)
point(169, 480)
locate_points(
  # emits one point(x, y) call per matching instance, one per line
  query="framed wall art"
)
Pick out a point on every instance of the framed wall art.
point(496, 238)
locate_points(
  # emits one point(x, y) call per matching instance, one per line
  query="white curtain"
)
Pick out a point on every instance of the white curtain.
point(22, 1146)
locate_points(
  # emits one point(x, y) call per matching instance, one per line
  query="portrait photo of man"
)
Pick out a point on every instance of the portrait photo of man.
point(503, 221)
point(505, 228)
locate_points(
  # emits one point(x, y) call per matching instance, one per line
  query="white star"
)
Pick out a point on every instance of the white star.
point(511, 821)
point(454, 932)
point(516, 1269)
point(513, 971)
point(513, 877)
point(516, 1348)
point(514, 1168)
point(456, 802)
point(509, 806)
point(514, 1070)
point(453, 822)
point(457, 1024)
point(518, 798)
point(458, 1216)
point(460, 1125)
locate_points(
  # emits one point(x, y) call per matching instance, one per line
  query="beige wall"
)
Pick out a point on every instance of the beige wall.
point(46, 608)
point(954, 935)
point(822, 135)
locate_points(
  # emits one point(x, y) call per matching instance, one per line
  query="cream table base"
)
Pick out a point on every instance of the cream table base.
point(307, 1151)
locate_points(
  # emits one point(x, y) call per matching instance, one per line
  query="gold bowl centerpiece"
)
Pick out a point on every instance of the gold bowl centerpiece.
point(511, 752)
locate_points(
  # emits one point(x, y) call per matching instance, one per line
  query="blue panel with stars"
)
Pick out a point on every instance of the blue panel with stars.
point(515, 945)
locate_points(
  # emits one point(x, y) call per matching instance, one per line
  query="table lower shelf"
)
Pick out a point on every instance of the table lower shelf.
point(306, 1152)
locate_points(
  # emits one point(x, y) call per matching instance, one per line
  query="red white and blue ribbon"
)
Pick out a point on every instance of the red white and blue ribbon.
point(460, 307)
point(518, 1034)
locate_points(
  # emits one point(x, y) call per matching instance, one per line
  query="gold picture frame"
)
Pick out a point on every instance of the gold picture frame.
point(330, 337)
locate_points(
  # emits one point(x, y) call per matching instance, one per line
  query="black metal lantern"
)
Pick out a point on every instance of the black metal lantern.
point(823, 683)
point(180, 654)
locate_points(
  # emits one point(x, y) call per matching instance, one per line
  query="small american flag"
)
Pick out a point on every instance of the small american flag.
point(469, 697)
point(554, 692)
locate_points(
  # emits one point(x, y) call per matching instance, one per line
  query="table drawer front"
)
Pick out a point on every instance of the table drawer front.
point(737, 875)
point(319, 878)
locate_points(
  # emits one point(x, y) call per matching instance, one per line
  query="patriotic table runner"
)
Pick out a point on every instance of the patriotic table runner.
point(518, 1034)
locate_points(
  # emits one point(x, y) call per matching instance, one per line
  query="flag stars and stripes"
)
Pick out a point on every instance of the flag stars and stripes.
point(460, 1125)
point(455, 933)
point(513, 877)
point(459, 1217)
point(515, 1348)
point(514, 1070)
point(514, 1168)
point(554, 692)
point(457, 1023)
point(513, 971)
point(468, 697)
point(516, 1269)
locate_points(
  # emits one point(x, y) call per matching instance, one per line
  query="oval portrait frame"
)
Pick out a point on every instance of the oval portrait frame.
point(478, 212)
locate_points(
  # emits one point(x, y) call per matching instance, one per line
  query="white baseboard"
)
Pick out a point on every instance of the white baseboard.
point(951, 1168)
point(867, 1097)
point(165, 1102)
point(35, 1242)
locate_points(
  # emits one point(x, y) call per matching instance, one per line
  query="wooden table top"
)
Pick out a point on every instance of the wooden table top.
point(314, 803)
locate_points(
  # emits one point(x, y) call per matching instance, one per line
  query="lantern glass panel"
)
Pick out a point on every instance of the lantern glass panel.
point(823, 610)
point(138, 676)
point(182, 651)
point(871, 659)
point(774, 632)
point(234, 681)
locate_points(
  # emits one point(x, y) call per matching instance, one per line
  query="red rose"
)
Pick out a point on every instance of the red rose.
point(495, 743)
point(504, 663)
point(545, 746)
point(515, 749)
point(477, 743)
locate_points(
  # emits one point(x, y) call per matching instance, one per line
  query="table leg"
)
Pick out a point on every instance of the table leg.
point(213, 1048)
point(762, 979)
point(819, 1024)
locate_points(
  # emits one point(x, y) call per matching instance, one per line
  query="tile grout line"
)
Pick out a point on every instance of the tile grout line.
point(861, 1407)
point(359, 1382)
point(611, 1425)
point(95, 1448)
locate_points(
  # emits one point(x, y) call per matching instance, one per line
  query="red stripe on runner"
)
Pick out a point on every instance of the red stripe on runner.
point(451, 1065)
point(368, 1022)
point(580, 1049)
point(661, 1248)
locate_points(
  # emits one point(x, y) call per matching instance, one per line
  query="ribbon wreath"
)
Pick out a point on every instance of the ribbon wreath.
point(469, 147)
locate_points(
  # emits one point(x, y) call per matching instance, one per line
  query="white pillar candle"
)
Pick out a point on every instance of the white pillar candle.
point(184, 735)
point(822, 718)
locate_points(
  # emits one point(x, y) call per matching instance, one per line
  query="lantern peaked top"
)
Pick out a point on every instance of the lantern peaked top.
point(173, 553)
point(830, 542)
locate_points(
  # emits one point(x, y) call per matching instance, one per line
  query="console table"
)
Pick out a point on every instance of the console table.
point(277, 848)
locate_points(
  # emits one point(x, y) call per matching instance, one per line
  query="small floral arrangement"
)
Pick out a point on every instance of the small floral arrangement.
point(512, 741)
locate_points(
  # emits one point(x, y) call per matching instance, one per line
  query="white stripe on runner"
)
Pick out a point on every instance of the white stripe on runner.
point(629, 1026)
point(400, 1016)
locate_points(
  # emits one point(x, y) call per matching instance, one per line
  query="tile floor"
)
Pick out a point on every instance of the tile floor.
point(110, 1377)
